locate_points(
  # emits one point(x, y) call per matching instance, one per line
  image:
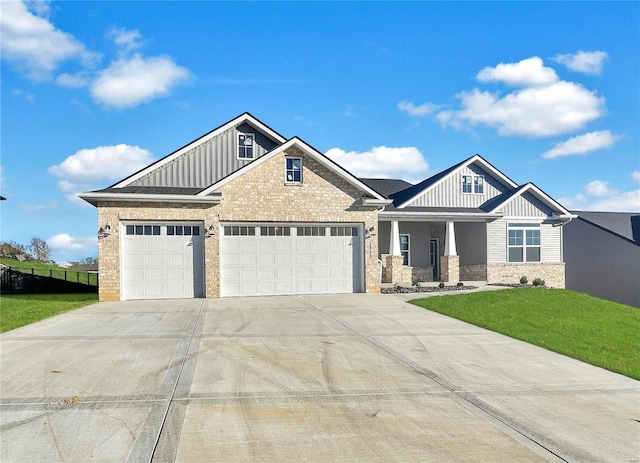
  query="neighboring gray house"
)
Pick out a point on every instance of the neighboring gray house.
point(244, 211)
point(602, 255)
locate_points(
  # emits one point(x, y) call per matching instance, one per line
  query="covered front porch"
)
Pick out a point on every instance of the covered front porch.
point(433, 248)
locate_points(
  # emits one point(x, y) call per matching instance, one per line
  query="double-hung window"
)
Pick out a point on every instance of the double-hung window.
point(473, 184)
point(404, 248)
point(524, 242)
point(245, 145)
point(293, 173)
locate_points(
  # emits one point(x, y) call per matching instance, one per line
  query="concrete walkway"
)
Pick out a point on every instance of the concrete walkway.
point(348, 378)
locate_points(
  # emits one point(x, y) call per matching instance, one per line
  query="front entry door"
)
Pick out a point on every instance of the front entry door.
point(433, 258)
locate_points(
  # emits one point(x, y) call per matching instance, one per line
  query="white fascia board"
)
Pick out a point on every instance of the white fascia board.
point(248, 118)
point(476, 158)
point(376, 202)
point(93, 198)
point(541, 195)
point(438, 216)
point(295, 142)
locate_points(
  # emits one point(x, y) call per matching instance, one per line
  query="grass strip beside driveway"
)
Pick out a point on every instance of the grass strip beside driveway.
point(596, 331)
point(17, 310)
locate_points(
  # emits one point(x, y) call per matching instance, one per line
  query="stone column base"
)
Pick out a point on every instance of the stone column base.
point(396, 272)
point(449, 269)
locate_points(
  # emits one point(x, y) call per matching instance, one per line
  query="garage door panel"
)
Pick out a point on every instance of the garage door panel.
point(163, 266)
point(291, 264)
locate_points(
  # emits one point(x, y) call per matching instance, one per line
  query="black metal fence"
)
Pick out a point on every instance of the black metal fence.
point(33, 280)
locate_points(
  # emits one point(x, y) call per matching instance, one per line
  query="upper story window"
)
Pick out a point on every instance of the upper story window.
point(524, 242)
point(473, 184)
point(293, 173)
point(246, 142)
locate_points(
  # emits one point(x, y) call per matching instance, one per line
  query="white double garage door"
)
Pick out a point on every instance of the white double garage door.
point(166, 260)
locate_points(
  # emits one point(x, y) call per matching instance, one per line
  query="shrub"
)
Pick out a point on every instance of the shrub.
point(415, 281)
point(538, 282)
point(459, 283)
point(441, 285)
point(524, 280)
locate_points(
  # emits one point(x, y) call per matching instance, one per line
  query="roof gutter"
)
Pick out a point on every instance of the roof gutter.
point(433, 216)
point(94, 198)
point(376, 202)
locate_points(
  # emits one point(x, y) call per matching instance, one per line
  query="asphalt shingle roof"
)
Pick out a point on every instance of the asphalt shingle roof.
point(386, 186)
point(624, 224)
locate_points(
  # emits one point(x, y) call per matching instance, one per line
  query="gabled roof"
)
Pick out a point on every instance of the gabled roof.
point(308, 150)
point(497, 203)
point(241, 119)
point(623, 224)
point(402, 198)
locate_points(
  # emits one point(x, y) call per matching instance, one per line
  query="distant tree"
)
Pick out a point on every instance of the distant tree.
point(40, 250)
point(89, 260)
point(13, 249)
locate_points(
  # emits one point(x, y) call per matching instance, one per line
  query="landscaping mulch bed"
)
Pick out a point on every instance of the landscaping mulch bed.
point(424, 289)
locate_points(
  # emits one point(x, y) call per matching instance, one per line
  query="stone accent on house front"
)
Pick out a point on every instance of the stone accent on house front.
point(259, 195)
point(396, 272)
point(551, 273)
point(476, 272)
point(423, 273)
point(449, 268)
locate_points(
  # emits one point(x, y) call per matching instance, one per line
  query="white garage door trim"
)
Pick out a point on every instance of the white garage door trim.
point(161, 260)
point(259, 259)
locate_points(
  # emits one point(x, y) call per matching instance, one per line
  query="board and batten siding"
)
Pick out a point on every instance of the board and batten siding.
point(207, 162)
point(550, 243)
point(448, 193)
point(526, 205)
point(497, 242)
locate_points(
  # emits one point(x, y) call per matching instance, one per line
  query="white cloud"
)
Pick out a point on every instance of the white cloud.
point(128, 82)
point(635, 176)
point(66, 243)
point(382, 162)
point(551, 110)
point(127, 39)
point(587, 62)
point(530, 72)
point(583, 144)
point(421, 110)
point(598, 196)
point(72, 80)
point(33, 44)
point(85, 169)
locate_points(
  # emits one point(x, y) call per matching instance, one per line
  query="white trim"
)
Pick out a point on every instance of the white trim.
point(536, 226)
point(92, 198)
point(286, 170)
point(408, 251)
point(541, 196)
point(243, 118)
point(476, 158)
point(439, 216)
point(293, 142)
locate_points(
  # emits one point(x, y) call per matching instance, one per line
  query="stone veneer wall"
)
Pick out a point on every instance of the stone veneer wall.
point(259, 195)
point(396, 272)
point(423, 273)
point(475, 272)
point(449, 268)
point(551, 273)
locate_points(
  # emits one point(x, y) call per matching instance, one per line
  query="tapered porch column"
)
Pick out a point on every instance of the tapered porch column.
point(396, 272)
point(450, 262)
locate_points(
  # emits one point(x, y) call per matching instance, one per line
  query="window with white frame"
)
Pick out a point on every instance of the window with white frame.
point(473, 184)
point(466, 183)
point(524, 242)
point(245, 145)
point(293, 173)
point(404, 248)
point(478, 184)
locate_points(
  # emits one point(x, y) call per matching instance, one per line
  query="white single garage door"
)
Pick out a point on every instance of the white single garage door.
point(162, 260)
point(270, 259)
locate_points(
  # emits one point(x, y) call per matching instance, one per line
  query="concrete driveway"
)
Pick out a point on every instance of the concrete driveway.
point(347, 378)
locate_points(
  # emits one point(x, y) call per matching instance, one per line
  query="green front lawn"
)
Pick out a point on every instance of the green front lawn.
point(593, 330)
point(19, 310)
point(53, 271)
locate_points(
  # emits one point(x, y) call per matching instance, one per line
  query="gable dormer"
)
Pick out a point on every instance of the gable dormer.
point(469, 184)
point(211, 157)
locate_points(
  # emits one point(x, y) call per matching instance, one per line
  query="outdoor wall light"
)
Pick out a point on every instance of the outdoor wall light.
point(210, 231)
point(104, 231)
point(369, 232)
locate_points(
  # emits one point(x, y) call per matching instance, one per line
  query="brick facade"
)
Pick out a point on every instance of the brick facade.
point(551, 273)
point(476, 272)
point(449, 268)
point(259, 195)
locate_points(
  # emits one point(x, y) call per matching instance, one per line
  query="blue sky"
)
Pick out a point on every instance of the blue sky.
point(91, 91)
